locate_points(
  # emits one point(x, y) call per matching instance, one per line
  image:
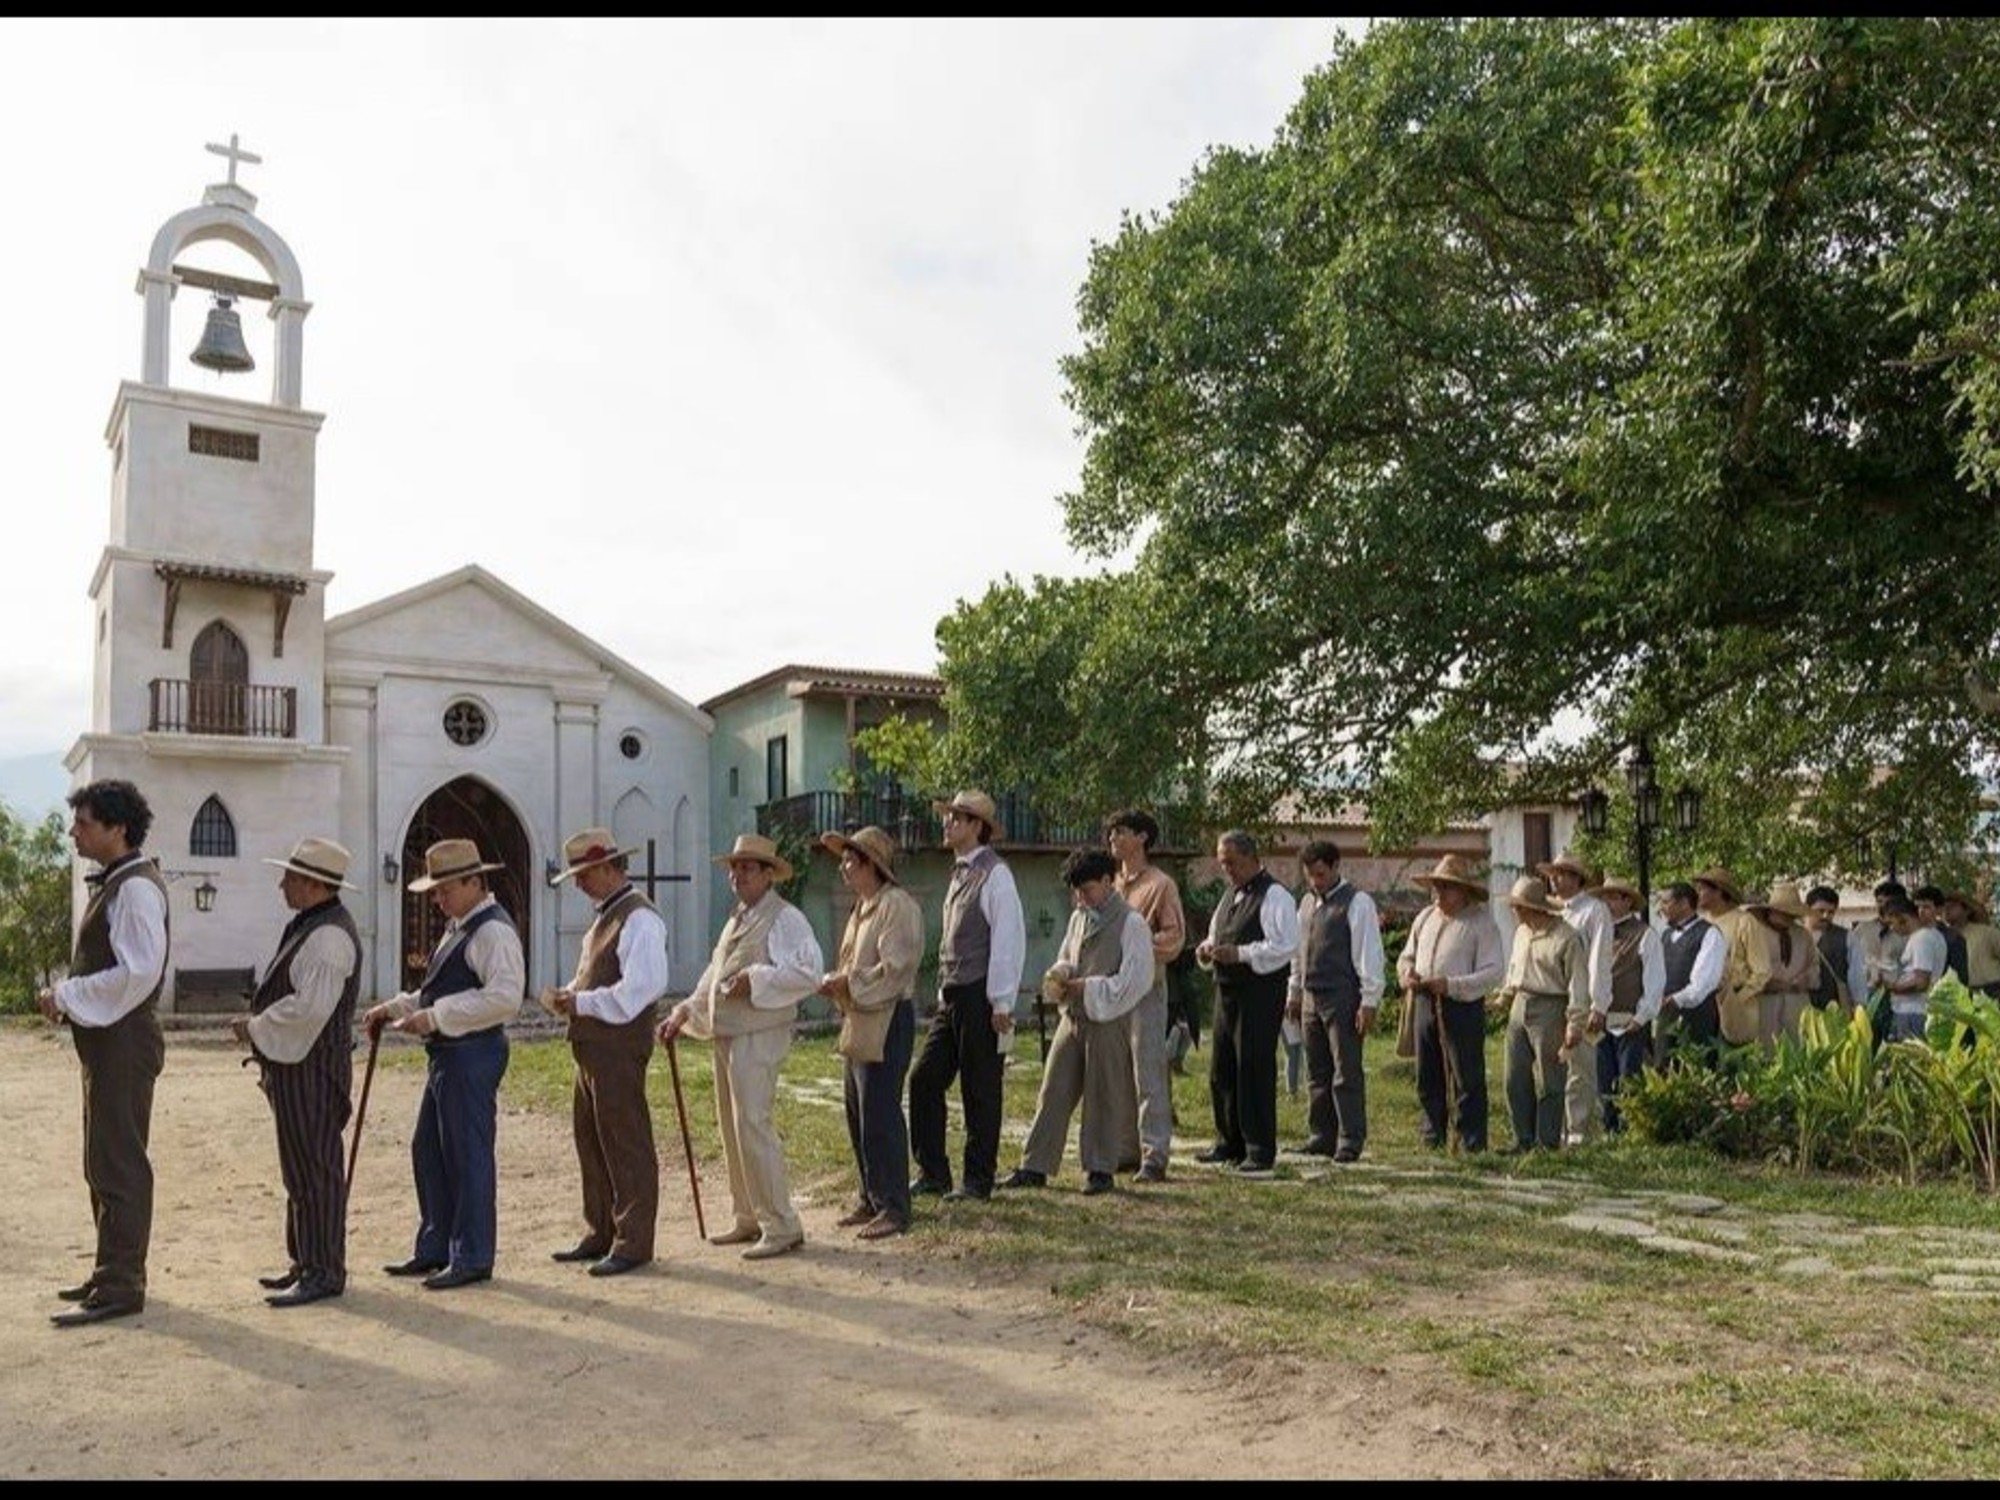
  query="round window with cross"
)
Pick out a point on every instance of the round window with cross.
point(465, 723)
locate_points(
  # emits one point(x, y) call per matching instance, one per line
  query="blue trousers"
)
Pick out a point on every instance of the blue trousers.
point(1619, 1058)
point(452, 1150)
point(876, 1127)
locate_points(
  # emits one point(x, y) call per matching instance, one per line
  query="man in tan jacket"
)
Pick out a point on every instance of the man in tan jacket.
point(1746, 962)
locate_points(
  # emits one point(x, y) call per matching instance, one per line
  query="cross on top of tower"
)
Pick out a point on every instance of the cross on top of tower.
point(235, 154)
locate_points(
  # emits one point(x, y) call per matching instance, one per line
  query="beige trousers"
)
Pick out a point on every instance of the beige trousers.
point(746, 1088)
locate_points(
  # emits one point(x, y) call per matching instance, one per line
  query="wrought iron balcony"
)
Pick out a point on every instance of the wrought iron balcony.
point(912, 821)
point(181, 706)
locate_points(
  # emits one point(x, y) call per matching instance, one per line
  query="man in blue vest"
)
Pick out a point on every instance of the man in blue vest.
point(471, 990)
point(1335, 990)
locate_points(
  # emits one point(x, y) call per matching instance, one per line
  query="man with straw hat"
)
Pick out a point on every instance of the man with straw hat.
point(1567, 878)
point(470, 991)
point(982, 946)
point(610, 1009)
point(766, 960)
point(1794, 963)
point(301, 1031)
point(1746, 957)
point(1638, 982)
point(1970, 919)
point(1451, 960)
point(873, 985)
point(1547, 995)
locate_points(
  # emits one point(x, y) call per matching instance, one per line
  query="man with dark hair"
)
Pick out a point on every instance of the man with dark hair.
point(1874, 948)
point(1923, 963)
point(1830, 984)
point(1103, 970)
point(1251, 940)
point(1929, 901)
point(110, 1001)
point(1154, 895)
point(1339, 970)
point(1693, 952)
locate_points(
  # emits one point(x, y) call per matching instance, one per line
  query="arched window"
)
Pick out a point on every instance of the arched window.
point(218, 681)
point(214, 832)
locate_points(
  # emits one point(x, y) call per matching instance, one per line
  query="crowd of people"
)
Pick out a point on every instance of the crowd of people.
point(1594, 992)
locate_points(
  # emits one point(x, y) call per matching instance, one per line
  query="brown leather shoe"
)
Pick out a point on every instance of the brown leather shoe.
point(882, 1226)
point(861, 1213)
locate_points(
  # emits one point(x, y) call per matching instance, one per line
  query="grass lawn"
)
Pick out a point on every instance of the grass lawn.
point(1765, 1324)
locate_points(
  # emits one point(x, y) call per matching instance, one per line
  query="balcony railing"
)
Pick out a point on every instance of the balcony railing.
point(181, 706)
point(912, 821)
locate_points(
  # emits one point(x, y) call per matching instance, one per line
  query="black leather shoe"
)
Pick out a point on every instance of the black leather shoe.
point(280, 1283)
point(923, 1187)
point(451, 1276)
point(615, 1265)
point(1347, 1155)
point(968, 1195)
point(307, 1289)
point(1151, 1172)
point(78, 1293)
point(1218, 1154)
point(414, 1266)
point(1095, 1183)
point(579, 1252)
point(1314, 1148)
point(96, 1309)
point(1025, 1177)
point(1252, 1166)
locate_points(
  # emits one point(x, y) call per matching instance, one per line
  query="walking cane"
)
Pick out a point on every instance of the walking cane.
point(1450, 1076)
point(681, 1109)
point(361, 1113)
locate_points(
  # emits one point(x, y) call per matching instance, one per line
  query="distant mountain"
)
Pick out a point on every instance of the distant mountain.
point(34, 785)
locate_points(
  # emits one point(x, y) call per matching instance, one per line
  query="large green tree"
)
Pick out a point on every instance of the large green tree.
point(34, 906)
point(1546, 383)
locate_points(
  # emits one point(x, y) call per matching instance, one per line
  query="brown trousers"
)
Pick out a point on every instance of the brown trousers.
point(120, 1063)
point(614, 1136)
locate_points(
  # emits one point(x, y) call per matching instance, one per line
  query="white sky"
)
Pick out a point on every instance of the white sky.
point(732, 343)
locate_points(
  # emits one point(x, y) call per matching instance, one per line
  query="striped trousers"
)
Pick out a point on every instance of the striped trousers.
point(310, 1102)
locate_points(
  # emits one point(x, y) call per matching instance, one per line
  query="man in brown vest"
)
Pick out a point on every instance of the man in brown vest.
point(301, 1031)
point(765, 962)
point(609, 1005)
point(110, 1000)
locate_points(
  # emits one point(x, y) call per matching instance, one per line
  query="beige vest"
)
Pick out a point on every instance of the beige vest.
point(745, 942)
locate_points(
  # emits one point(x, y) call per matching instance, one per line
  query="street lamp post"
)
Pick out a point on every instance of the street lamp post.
point(1647, 798)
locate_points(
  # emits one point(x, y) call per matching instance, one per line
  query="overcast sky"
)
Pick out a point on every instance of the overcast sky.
point(732, 343)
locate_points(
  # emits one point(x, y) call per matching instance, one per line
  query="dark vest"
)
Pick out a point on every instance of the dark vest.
point(966, 944)
point(93, 953)
point(1628, 973)
point(1102, 951)
point(597, 969)
point(1328, 944)
point(333, 1049)
point(1679, 950)
point(451, 974)
point(1832, 963)
point(1240, 921)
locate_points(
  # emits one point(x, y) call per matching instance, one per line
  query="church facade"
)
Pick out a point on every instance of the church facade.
point(456, 708)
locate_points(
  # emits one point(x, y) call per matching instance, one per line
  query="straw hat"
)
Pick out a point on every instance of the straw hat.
point(974, 804)
point(1975, 909)
point(1534, 895)
point(871, 843)
point(1612, 885)
point(1568, 861)
point(1452, 869)
point(1722, 880)
point(1785, 897)
point(317, 859)
point(594, 846)
point(450, 859)
point(756, 846)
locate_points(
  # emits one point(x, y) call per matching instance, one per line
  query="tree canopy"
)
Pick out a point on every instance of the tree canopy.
point(34, 906)
point(1543, 383)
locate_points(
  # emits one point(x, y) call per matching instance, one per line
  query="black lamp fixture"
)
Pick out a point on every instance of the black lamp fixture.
point(204, 895)
point(391, 871)
point(1045, 920)
point(1687, 809)
point(1596, 811)
point(1648, 804)
point(551, 868)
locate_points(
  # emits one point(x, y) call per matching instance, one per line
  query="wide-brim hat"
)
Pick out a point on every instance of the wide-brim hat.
point(451, 859)
point(1581, 869)
point(756, 846)
point(974, 804)
point(871, 843)
point(1529, 892)
point(1785, 897)
point(1452, 869)
point(594, 846)
point(1612, 885)
point(318, 859)
point(1722, 880)
point(1975, 909)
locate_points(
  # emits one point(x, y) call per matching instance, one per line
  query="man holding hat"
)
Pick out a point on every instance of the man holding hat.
point(873, 985)
point(1566, 877)
point(765, 962)
point(1746, 957)
point(621, 971)
point(469, 993)
point(982, 946)
point(1638, 982)
point(1547, 995)
point(301, 1031)
point(1450, 961)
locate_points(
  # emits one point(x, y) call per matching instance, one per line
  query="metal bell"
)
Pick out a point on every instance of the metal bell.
point(222, 347)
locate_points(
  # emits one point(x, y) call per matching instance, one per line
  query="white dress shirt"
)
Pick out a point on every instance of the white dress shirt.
point(284, 1031)
point(1652, 984)
point(137, 914)
point(1592, 920)
point(494, 953)
point(1007, 936)
point(1279, 917)
point(1364, 931)
point(642, 967)
point(1106, 997)
point(1706, 975)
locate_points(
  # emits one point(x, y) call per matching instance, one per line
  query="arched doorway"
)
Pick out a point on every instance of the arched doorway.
point(218, 681)
point(463, 809)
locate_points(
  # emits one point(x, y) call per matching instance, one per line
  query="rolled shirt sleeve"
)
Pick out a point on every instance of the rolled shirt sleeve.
point(285, 1030)
point(1279, 916)
point(1106, 997)
point(138, 922)
point(1592, 920)
point(642, 971)
point(1000, 903)
point(1365, 928)
point(795, 967)
point(494, 953)
point(1705, 977)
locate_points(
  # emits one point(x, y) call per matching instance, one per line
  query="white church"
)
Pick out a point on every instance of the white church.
point(457, 708)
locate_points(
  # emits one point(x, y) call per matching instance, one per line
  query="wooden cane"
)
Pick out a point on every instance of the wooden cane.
point(1452, 1135)
point(361, 1112)
point(687, 1141)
